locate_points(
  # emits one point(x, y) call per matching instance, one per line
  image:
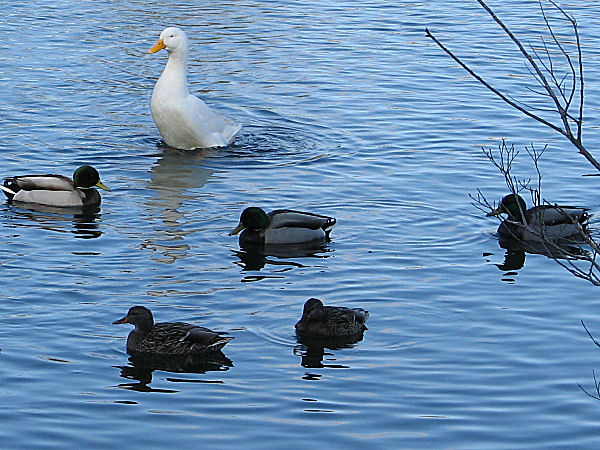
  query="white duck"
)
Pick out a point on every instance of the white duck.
point(185, 121)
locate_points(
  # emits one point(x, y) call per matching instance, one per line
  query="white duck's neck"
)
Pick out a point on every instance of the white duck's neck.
point(175, 73)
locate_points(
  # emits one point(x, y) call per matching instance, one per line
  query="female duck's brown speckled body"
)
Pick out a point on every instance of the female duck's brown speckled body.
point(321, 321)
point(169, 338)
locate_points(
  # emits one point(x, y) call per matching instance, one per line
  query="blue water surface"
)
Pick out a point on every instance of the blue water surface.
point(349, 110)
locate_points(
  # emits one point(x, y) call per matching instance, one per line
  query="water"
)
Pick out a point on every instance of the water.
point(348, 110)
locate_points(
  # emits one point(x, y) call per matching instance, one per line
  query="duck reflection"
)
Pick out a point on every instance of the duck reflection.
point(85, 221)
point(142, 366)
point(312, 350)
point(172, 177)
point(256, 256)
point(514, 257)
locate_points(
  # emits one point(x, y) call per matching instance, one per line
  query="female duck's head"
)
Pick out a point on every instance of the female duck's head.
point(139, 316)
point(86, 177)
point(252, 218)
point(513, 205)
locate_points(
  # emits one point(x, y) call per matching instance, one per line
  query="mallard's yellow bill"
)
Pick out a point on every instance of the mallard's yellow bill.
point(495, 212)
point(101, 185)
point(237, 229)
point(157, 47)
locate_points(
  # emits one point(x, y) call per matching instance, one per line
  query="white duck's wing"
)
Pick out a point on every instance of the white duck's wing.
point(287, 218)
point(209, 126)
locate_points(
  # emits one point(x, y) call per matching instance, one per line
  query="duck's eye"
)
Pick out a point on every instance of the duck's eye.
point(172, 36)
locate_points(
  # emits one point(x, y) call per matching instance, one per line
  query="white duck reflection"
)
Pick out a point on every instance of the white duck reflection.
point(173, 177)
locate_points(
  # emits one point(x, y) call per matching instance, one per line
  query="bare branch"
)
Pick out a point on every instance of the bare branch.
point(596, 386)
point(590, 334)
point(545, 72)
point(491, 88)
point(531, 61)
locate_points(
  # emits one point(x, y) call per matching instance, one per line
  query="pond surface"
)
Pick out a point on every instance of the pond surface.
point(348, 110)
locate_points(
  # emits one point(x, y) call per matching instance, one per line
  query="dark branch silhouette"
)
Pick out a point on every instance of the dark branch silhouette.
point(545, 71)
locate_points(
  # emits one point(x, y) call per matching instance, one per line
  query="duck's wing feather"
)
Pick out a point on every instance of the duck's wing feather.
point(288, 218)
point(42, 182)
point(202, 335)
point(549, 215)
point(210, 124)
point(348, 314)
point(181, 337)
point(346, 320)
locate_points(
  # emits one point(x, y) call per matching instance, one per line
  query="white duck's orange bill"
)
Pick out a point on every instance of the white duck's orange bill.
point(157, 47)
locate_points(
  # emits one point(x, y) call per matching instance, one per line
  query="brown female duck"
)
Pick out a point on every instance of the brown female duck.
point(319, 321)
point(169, 338)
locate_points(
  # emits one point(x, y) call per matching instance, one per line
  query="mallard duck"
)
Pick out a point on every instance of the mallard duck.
point(56, 190)
point(319, 321)
point(185, 121)
point(543, 221)
point(282, 226)
point(169, 338)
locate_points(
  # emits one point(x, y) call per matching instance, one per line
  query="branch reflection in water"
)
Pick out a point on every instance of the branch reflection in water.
point(514, 258)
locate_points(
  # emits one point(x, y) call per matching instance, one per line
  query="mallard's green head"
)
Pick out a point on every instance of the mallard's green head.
point(513, 205)
point(86, 177)
point(252, 218)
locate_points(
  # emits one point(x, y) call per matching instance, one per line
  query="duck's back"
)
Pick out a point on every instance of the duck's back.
point(51, 190)
point(553, 215)
point(334, 321)
point(295, 227)
point(41, 182)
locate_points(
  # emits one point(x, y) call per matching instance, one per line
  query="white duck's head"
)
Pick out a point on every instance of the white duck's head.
point(173, 39)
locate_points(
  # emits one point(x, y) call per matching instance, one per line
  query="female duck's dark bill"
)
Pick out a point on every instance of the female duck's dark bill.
point(122, 320)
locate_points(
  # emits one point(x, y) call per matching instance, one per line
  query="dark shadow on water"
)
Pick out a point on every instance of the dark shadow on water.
point(256, 257)
point(312, 350)
point(172, 177)
point(141, 367)
point(84, 223)
point(516, 251)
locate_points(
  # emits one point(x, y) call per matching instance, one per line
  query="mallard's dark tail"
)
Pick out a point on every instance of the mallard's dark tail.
point(10, 188)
